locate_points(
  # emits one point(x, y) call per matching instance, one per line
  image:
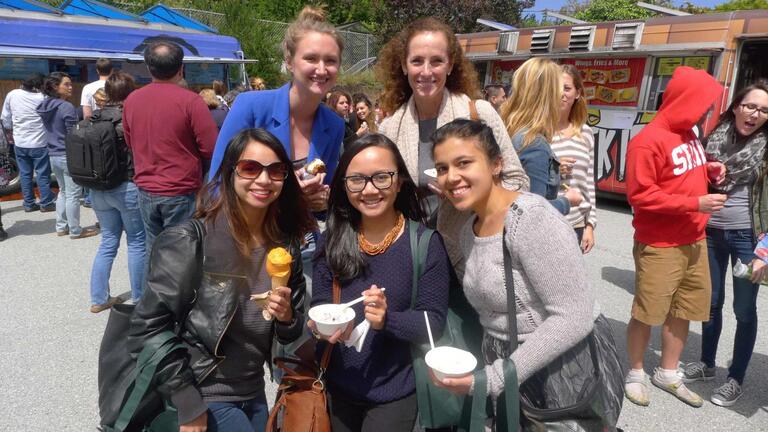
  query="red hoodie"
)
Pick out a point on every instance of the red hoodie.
point(666, 166)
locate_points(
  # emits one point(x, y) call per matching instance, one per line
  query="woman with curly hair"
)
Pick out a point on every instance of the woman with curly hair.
point(428, 82)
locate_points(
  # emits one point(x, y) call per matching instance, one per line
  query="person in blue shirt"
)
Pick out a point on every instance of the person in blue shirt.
point(293, 112)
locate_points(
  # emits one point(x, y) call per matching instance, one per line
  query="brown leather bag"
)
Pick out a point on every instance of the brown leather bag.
point(302, 405)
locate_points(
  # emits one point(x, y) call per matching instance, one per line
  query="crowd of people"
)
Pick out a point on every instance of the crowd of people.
point(512, 170)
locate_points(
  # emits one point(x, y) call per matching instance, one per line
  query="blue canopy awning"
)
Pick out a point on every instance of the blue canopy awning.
point(95, 8)
point(28, 5)
point(162, 14)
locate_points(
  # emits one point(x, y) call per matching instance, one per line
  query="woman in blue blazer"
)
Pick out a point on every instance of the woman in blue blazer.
point(294, 112)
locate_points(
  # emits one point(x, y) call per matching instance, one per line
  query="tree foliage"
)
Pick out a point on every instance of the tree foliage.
point(611, 10)
point(461, 15)
point(734, 5)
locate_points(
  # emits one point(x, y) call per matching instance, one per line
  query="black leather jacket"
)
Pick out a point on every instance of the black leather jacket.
point(173, 301)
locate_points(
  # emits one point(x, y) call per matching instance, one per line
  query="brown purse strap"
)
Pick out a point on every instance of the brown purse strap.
point(473, 111)
point(326, 358)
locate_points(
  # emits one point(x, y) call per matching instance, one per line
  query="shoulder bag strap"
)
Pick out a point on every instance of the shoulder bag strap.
point(419, 248)
point(326, 358)
point(511, 388)
point(473, 111)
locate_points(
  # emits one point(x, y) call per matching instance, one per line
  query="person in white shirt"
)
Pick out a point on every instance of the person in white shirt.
point(20, 115)
point(104, 69)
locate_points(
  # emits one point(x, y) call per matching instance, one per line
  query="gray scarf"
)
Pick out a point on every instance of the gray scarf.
point(742, 158)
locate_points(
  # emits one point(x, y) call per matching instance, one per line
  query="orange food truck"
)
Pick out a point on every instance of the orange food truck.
point(626, 66)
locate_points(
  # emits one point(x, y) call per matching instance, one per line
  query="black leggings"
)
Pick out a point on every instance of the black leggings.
point(356, 416)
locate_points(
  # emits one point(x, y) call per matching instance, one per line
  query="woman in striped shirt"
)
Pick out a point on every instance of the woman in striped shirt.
point(574, 146)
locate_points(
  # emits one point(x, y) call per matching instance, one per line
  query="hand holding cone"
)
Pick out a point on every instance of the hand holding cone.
point(279, 263)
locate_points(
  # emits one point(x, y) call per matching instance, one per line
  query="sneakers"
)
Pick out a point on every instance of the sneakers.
point(48, 209)
point(32, 208)
point(63, 233)
point(85, 233)
point(678, 389)
point(727, 394)
point(636, 389)
point(698, 371)
point(102, 307)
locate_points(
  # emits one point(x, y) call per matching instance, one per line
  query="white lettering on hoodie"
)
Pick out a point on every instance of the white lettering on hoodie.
point(688, 156)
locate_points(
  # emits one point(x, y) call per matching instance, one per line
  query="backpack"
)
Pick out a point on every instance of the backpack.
point(94, 154)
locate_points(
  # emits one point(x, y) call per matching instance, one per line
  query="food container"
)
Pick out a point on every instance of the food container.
point(450, 362)
point(328, 319)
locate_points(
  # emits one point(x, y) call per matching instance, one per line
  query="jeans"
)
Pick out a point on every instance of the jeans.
point(160, 212)
point(722, 245)
point(245, 416)
point(118, 210)
point(68, 200)
point(30, 161)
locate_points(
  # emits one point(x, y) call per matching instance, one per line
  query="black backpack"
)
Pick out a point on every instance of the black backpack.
point(95, 154)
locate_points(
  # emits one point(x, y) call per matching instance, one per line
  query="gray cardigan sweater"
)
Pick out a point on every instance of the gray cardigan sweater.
point(402, 127)
point(555, 304)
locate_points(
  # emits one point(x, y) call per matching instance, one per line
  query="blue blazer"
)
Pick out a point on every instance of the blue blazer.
point(269, 109)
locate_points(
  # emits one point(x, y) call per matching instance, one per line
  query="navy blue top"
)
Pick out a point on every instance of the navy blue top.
point(270, 110)
point(543, 169)
point(59, 117)
point(382, 371)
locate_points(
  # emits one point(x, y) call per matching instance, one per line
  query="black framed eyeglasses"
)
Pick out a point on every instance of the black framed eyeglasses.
point(750, 109)
point(251, 169)
point(380, 180)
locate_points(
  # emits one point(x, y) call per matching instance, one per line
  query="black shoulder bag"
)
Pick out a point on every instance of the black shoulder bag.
point(585, 383)
point(128, 401)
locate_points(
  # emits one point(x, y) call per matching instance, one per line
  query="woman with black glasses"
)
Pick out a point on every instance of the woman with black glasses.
point(252, 204)
point(739, 142)
point(367, 247)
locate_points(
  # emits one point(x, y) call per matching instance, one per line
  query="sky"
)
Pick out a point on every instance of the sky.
point(555, 5)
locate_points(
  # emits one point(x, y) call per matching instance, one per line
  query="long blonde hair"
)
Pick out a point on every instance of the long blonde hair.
point(577, 117)
point(534, 105)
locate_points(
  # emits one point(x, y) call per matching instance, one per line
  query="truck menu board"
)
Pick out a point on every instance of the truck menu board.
point(610, 81)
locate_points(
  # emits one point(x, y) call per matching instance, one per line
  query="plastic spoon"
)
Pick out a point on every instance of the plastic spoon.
point(429, 331)
point(343, 306)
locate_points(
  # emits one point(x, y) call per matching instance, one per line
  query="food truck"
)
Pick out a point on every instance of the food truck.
point(626, 66)
point(37, 38)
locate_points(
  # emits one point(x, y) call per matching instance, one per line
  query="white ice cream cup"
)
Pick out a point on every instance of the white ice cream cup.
point(328, 318)
point(450, 362)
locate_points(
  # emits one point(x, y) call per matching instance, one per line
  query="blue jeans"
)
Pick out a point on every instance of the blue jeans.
point(722, 245)
point(160, 212)
point(68, 200)
point(31, 161)
point(118, 210)
point(246, 416)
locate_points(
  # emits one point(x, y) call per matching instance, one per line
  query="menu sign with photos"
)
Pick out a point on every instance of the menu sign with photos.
point(610, 81)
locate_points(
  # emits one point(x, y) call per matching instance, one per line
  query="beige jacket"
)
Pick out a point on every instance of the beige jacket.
point(402, 127)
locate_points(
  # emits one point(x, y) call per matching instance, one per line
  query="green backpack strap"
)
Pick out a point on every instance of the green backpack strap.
point(479, 414)
point(153, 353)
point(419, 247)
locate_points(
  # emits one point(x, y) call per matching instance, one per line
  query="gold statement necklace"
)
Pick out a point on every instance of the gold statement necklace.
point(380, 248)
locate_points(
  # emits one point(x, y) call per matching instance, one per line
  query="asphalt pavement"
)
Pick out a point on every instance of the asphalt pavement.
point(50, 339)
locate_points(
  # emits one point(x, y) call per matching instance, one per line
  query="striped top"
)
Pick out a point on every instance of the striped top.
point(581, 148)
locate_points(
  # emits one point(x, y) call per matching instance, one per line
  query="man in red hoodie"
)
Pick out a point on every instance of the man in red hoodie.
point(667, 188)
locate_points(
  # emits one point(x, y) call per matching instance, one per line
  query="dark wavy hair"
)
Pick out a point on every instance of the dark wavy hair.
point(342, 251)
point(52, 82)
point(288, 219)
point(729, 116)
point(389, 70)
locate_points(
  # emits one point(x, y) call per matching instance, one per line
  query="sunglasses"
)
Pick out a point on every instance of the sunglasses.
point(251, 170)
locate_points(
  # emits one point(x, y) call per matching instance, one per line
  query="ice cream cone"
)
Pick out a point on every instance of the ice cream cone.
point(279, 263)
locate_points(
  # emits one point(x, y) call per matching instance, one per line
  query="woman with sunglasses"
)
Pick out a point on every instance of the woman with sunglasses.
point(367, 248)
point(739, 142)
point(253, 204)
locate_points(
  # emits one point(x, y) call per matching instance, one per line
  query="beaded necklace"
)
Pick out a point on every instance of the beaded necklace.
point(380, 248)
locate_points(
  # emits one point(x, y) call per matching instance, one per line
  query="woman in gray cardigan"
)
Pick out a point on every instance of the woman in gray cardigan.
point(427, 83)
point(553, 312)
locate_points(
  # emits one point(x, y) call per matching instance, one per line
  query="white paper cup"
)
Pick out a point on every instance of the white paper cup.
point(323, 316)
point(450, 362)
